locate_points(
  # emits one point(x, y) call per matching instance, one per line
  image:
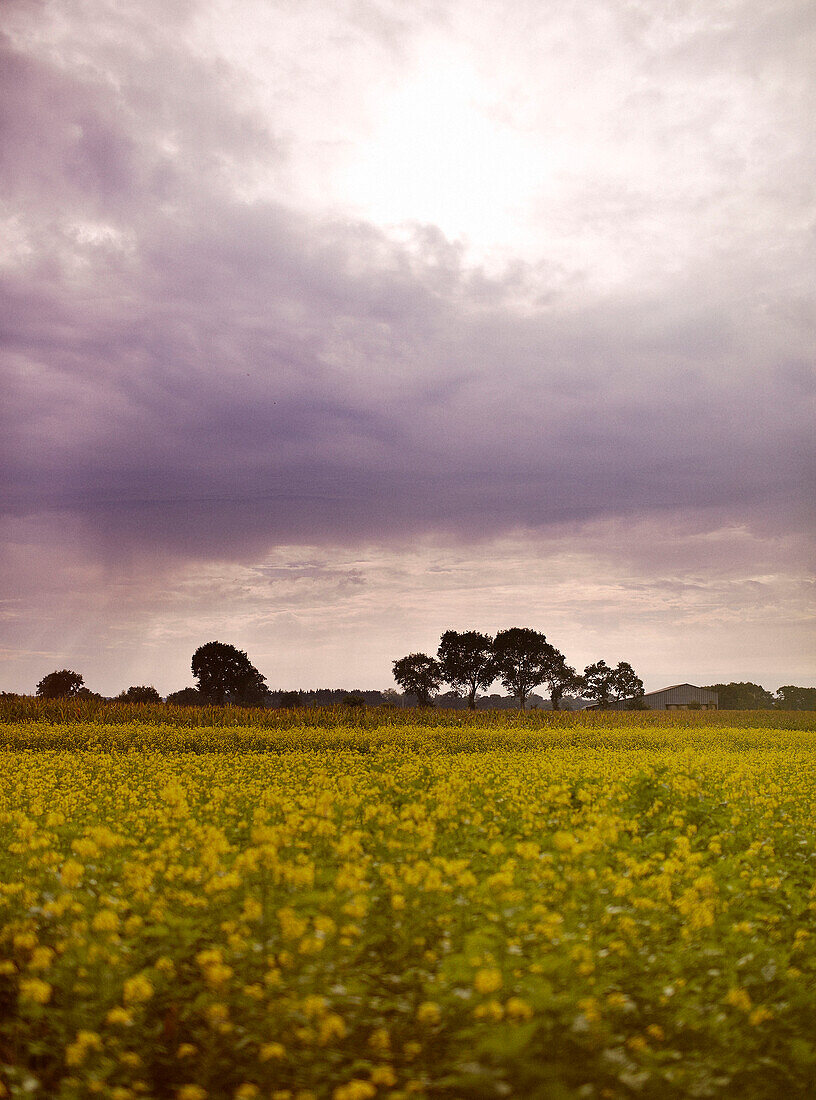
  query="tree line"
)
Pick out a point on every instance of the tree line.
point(468, 662)
point(521, 659)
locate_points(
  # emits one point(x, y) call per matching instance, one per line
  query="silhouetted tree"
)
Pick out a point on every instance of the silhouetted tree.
point(187, 697)
point(742, 696)
point(59, 685)
point(418, 674)
point(627, 684)
point(562, 679)
point(796, 698)
point(606, 684)
point(467, 662)
point(524, 659)
point(142, 694)
point(226, 675)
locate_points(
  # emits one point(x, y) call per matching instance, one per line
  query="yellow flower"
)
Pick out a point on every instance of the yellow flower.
point(186, 1050)
point(738, 998)
point(137, 990)
point(428, 1013)
point(383, 1075)
point(490, 1010)
point(487, 981)
point(35, 990)
point(270, 1051)
point(380, 1039)
point(517, 1009)
point(119, 1016)
point(41, 958)
point(85, 1041)
point(106, 920)
point(355, 1090)
point(246, 1091)
point(759, 1015)
point(331, 1027)
point(191, 1092)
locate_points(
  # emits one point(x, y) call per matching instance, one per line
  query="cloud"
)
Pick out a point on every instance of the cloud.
point(211, 349)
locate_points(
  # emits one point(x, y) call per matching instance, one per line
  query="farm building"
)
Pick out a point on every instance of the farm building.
point(676, 697)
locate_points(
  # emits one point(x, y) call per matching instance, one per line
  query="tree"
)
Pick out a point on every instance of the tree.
point(187, 697)
point(86, 693)
point(627, 684)
point(226, 675)
point(606, 684)
point(742, 696)
point(420, 675)
point(141, 694)
point(524, 659)
point(796, 698)
point(59, 685)
point(466, 662)
point(562, 678)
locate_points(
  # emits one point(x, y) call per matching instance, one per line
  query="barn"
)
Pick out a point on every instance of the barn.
point(676, 697)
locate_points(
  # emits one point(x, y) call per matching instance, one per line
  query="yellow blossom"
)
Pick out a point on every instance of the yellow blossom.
point(35, 990)
point(428, 1013)
point(137, 990)
point(487, 980)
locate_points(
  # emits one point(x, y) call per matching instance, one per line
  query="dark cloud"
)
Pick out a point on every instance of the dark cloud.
point(197, 366)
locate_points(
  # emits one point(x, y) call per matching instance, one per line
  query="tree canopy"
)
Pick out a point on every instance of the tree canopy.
point(467, 662)
point(420, 675)
point(562, 679)
point(186, 697)
point(226, 675)
point(791, 697)
point(742, 696)
point(524, 659)
point(140, 694)
point(60, 685)
point(606, 684)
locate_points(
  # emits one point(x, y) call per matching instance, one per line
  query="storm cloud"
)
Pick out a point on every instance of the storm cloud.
point(212, 349)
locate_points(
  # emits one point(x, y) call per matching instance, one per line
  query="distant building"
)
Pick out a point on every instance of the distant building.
point(676, 697)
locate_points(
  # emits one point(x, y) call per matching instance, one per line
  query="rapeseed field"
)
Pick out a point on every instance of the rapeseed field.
point(346, 905)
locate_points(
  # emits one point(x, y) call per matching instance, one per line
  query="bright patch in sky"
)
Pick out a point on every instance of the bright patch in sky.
point(438, 154)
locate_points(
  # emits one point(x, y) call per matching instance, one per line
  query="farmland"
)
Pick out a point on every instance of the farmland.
point(348, 904)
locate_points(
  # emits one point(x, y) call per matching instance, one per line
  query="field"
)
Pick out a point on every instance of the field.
point(349, 904)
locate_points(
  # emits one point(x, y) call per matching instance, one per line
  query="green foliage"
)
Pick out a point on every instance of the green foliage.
point(742, 696)
point(796, 698)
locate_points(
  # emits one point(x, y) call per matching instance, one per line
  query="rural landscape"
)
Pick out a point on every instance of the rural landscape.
point(407, 634)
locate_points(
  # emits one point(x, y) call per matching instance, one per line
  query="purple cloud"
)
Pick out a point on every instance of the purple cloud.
point(203, 362)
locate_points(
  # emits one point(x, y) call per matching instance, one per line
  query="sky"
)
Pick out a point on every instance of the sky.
point(330, 325)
